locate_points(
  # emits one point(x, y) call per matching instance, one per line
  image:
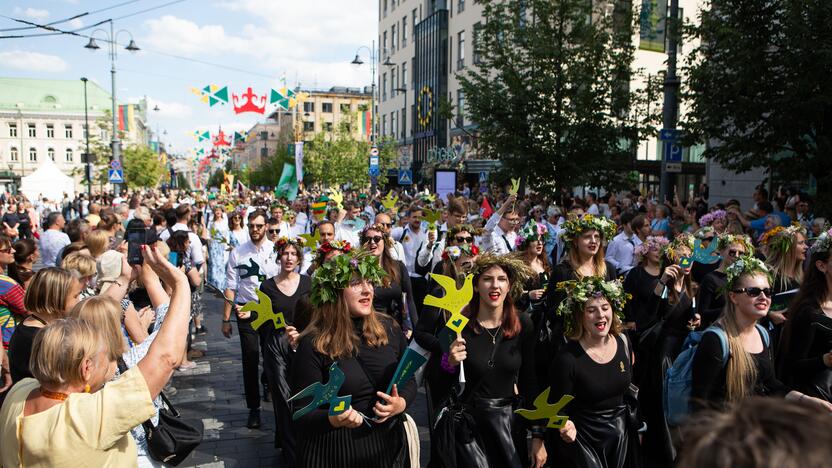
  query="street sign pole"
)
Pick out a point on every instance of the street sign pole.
point(671, 97)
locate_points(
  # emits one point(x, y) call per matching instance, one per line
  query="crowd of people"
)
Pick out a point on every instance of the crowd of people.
point(667, 324)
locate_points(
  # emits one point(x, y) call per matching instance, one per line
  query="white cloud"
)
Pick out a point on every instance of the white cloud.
point(76, 23)
point(33, 61)
point(32, 13)
point(168, 109)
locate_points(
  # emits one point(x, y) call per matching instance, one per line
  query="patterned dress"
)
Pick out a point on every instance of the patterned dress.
point(12, 310)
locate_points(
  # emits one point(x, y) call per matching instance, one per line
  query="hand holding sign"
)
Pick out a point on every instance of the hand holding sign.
point(338, 197)
point(515, 187)
point(323, 394)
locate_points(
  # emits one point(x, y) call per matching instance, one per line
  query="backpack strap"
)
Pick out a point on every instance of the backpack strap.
point(723, 341)
point(764, 334)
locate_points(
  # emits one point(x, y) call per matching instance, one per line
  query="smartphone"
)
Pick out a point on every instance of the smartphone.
point(135, 239)
point(173, 258)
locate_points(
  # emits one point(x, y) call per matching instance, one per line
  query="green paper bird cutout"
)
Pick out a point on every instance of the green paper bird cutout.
point(263, 307)
point(429, 198)
point(389, 202)
point(515, 187)
point(321, 394)
point(338, 197)
point(252, 269)
point(544, 410)
point(312, 239)
point(432, 216)
point(454, 299)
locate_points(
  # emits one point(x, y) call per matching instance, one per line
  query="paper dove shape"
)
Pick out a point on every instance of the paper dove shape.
point(321, 393)
point(432, 216)
point(389, 202)
point(264, 312)
point(543, 410)
point(454, 299)
point(337, 197)
point(703, 255)
point(312, 239)
point(515, 187)
point(252, 269)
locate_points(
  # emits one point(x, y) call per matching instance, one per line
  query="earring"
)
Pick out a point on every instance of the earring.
point(87, 388)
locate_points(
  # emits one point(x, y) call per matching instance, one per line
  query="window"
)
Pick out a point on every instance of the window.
point(394, 38)
point(404, 31)
point(327, 126)
point(33, 154)
point(394, 81)
point(264, 152)
point(309, 107)
point(404, 76)
point(384, 3)
point(50, 131)
point(383, 125)
point(33, 133)
point(415, 19)
point(68, 131)
point(51, 153)
point(460, 50)
point(69, 157)
point(326, 107)
point(404, 123)
point(384, 44)
point(475, 39)
point(309, 126)
point(394, 124)
point(460, 6)
point(83, 132)
point(104, 135)
point(13, 130)
point(13, 154)
point(384, 87)
point(460, 108)
point(345, 108)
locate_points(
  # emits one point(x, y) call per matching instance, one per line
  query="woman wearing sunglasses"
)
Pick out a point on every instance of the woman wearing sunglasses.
point(711, 298)
point(530, 244)
point(396, 298)
point(748, 370)
point(238, 235)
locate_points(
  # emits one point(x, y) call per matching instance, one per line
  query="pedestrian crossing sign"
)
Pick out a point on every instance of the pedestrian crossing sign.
point(405, 177)
point(116, 176)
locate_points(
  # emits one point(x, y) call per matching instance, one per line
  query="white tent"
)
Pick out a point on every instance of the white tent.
point(48, 181)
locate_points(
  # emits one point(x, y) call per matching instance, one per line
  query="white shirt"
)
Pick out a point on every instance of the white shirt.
point(494, 239)
point(411, 242)
point(593, 210)
point(264, 256)
point(195, 249)
point(620, 251)
point(433, 255)
point(346, 233)
point(52, 242)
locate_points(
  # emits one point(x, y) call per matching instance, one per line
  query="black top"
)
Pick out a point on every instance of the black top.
point(309, 366)
point(676, 315)
point(709, 374)
point(711, 297)
point(20, 351)
point(23, 219)
point(283, 303)
point(389, 299)
point(11, 219)
point(563, 272)
point(595, 386)
point(640, 284)
point(513, 362)
point(699, 270)
point(808, 337)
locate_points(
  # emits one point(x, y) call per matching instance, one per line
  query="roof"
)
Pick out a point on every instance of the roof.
point(51, 95)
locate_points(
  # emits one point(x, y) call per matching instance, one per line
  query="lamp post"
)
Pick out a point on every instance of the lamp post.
point(111, 39)
point(374, 57)
point(158, 135)
point(88, 165)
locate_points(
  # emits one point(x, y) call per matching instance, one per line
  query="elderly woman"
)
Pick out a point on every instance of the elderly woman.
point(73, 398)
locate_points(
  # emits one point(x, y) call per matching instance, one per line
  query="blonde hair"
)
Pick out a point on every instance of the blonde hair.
point(784, 264)
point(598, 260)
point(59, 350)
point(97, 242)
point(82, 263)
point(333, 334)
point(740, 371)
point(47, 293)
point(104, 314)
point(578, 322)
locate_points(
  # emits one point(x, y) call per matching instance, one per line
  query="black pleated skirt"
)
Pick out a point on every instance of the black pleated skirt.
point(384, 446)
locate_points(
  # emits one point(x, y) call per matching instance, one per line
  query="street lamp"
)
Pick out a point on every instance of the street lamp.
point(112, 39)
point(158, 135)
point(88, 165)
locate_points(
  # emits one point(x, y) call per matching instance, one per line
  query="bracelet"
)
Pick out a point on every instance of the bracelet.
point(537, 432)
point(445, 365)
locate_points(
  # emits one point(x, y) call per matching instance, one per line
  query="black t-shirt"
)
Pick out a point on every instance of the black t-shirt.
point(283, 303)
point(11, 219)
point(807, 338)
point(640, 284)
point(20, 351)
point(389, 299)
point(23, 219)
point(711, 297)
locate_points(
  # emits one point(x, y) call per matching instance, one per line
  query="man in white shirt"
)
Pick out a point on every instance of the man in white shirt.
point(183, 216)
point(457, 213)
point(346, 229)
point(500, 232)
point(53, 240)
point(620, 250)
point(413, 239)
point(249, 264)
point(592, 203)
point(396, 251)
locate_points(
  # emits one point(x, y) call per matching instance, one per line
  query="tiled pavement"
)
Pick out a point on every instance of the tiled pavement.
point(213, 392)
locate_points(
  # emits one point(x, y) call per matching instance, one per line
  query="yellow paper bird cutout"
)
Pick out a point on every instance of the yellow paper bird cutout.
point(544, 410)
point(312, 239)
point(389, 202)
point(432, 216)
point(338, 197)
point(264, 312)
point(431, 198)
point(454, 299)
point(515, 187)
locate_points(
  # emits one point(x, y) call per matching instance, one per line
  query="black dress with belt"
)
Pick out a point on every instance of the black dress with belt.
point(380, 445)
point(277, 359)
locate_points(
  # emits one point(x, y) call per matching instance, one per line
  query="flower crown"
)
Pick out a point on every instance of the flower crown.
point(333, 245)
point(289, 214)
point(453, 252)
point(704, 232)
point(709, 218)
point(670, 250)
point(781, 238)
point(518, 271)
point(577, 226)
point(651, 243)
point(336, 274)
point(578, 292)
point(532, 231)
point(728, 239)
point(298, 242)
point(823, 243)
point(745, 265)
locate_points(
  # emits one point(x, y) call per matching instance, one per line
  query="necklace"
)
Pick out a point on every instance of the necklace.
point(53, 395)
point(493, 341)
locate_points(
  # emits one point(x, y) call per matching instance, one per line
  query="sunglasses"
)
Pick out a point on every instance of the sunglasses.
point(274, 231)
point(754, 292)
point(463, 239)
point(375, 240)
point(735, 253)
point(256, 226)
point(386, 224)
point(513, 221)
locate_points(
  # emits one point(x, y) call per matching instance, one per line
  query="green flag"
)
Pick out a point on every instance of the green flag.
point(288, 185)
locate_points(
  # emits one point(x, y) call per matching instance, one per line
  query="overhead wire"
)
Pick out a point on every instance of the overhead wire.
point(79, 15)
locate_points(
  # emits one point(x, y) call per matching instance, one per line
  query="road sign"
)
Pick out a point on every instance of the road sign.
point(373, 160)
point(483, 176)
point(115, 165)
point(673, 167)
point(405, 177)
point(671, 134)
point(672, 151)
point(116, 176)
point(374, 171)
point(374, 151)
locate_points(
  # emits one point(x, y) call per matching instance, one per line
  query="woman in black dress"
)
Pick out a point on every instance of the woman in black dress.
point(367, 346)
point(531, 240)
point(595, 367)
point(640, 282)
point(284, 290)
point(711, 298)
point(396, 297)
point(496, 349)
point(805, 358)
point(785, 250)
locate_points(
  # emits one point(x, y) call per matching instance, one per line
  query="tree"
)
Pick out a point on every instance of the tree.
point(758, 88)
point(101, 149)
point(552, 90)
point(335, 158)
point(142, 167)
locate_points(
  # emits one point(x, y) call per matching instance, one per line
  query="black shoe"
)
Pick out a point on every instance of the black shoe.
point(201, 330)
point(253, 419)
point(267, 395)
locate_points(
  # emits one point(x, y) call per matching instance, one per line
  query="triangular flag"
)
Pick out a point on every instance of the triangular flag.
point(485, 210)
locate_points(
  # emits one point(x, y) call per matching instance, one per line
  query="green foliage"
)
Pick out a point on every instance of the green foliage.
point(552, 91)
point(268, 173)
point(216, 178)
point(142, 167)
point(334, 158)
point(758, 88)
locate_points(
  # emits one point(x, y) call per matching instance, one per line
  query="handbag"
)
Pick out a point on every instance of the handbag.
point(174, 437)
point(631, 394)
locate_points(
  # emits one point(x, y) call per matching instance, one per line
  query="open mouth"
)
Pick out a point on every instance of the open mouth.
point(761, 306)
point(601, 325)
point(365, 301)
point(494, 295)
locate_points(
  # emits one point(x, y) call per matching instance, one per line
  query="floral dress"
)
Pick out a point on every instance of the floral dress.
point(218, 254)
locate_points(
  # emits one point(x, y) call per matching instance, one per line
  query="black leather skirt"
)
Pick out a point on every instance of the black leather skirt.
point(603, 441)
point(496, 426)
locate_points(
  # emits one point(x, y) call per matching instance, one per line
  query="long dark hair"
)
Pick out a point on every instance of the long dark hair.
point(511, 321)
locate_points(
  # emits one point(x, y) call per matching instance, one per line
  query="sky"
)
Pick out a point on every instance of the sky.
point(255, 43)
